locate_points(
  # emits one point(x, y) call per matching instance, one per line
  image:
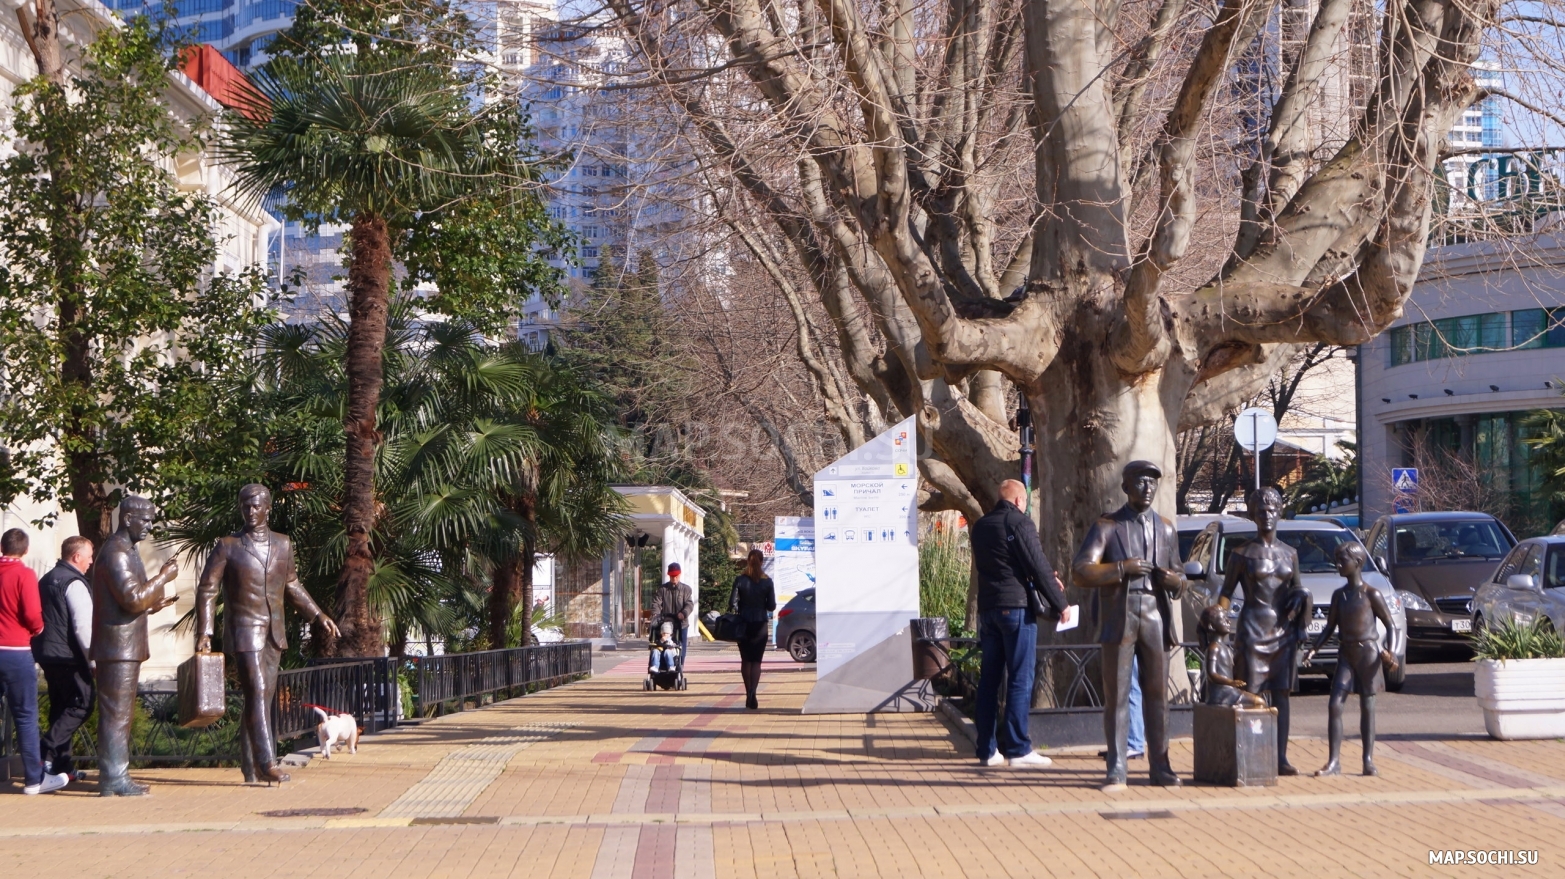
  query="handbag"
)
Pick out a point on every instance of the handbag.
point(726, 627)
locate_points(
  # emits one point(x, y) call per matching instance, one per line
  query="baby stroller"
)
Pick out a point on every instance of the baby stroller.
point(666, 671)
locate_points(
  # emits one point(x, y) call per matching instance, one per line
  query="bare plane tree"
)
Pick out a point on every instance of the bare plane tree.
point(1068, 196)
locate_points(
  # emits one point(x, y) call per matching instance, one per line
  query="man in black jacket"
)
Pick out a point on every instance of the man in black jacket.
point(61, 650)
point(1010, 561)
point(675, 602)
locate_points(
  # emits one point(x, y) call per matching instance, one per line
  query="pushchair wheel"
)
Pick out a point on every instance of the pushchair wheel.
point(680, 682)
point(646, 683)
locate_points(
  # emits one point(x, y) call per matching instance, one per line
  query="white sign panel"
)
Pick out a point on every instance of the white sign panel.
point(793, 556)
point(866, 547)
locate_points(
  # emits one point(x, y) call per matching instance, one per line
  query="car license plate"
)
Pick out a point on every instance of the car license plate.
point(1317, 626)
point(1461, 625)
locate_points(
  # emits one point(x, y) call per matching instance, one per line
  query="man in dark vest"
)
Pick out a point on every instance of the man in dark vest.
point(254, 569)
point(1132, 556)
point(62, 650)
point(122, 596)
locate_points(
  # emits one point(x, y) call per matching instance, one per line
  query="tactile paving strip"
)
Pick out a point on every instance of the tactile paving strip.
point(462, 775)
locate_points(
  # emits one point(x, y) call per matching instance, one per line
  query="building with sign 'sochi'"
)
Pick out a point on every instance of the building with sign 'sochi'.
point(1481, 344)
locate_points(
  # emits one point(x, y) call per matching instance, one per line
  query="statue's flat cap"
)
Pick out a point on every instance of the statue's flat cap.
point(1136, 468)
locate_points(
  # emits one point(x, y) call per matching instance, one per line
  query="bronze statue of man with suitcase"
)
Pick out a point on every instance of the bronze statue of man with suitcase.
point(254, 570)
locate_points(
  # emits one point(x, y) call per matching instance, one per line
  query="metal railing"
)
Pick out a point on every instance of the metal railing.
point(370, 689)
point(1069, 677)
point(365, 688)
point(447, 682)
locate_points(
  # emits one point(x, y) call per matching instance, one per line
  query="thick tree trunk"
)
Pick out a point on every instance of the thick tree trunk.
point(1091, 422)
point(369, 281)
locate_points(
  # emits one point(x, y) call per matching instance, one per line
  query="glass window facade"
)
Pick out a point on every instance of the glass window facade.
point(1477, 334)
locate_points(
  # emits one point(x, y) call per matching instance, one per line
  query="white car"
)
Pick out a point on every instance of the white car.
point(1316, 542)
point(1528, 587)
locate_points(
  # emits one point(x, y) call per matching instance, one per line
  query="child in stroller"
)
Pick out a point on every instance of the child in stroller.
point(664, 669)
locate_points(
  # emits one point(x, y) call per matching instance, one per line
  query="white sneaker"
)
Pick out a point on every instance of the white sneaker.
point(50, 784)
point(1033, 759)
point(995, 759)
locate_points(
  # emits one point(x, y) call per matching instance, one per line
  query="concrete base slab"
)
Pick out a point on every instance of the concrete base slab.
point(878, 679)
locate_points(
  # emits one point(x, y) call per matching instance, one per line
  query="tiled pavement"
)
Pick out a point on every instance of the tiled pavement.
point(603, 780)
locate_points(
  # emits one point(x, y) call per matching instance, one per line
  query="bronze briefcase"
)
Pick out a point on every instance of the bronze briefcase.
point(201, 701)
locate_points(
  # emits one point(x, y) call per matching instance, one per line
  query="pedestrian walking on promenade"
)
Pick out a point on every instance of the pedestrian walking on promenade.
point(62, 651)
point(1010, 562)
point(753, 599)
point(673, 601)
point(21, 617)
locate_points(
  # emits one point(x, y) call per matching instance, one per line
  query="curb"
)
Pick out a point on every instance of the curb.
point(953, 717)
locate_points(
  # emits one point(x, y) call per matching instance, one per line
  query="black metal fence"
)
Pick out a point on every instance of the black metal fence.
point(1069, 677)
point(442, 683)
point(380, 692)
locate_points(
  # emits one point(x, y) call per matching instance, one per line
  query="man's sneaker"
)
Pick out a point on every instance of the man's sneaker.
point(50, 784)
point(1033, 759)
point(995, 759)
point(1136, 755)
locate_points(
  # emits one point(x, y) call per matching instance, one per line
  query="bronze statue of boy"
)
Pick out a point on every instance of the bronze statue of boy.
point(1361, 656)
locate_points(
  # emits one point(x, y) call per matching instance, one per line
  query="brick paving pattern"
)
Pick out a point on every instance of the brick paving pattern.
point(601, 779)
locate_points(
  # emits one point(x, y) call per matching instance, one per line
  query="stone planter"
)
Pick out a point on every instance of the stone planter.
point(1522, 698)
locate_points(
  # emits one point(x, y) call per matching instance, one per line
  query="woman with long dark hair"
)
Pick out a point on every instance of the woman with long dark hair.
point(753, 599)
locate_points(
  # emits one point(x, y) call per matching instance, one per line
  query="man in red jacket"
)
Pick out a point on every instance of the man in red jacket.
point(21, 617)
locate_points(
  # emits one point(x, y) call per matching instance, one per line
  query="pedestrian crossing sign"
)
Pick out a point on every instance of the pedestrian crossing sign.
point(1405, 478)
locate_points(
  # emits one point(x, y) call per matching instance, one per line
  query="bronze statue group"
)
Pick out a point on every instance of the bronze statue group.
point(1131, 557)
point(253, 570)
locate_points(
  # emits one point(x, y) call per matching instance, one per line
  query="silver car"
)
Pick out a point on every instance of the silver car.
point(1528, 587)
point(1316, 543)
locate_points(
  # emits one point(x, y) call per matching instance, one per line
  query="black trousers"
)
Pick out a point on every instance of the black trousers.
point(116, 705)
point(71, 692)
point(1143, 638)
point(257, 673)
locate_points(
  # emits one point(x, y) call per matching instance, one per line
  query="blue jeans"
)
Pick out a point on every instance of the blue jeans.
point(19, 686)
point(1008, 640)
point(1136, 734)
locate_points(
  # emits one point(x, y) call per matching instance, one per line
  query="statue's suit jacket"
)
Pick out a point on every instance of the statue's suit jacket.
point(255, 581)
point(121, 597)
point(1108, 541)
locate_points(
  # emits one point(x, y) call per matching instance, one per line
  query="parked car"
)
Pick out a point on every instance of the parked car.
point(796, 626)
point(1192, 525)
point(1528, 585)
point(1316, 543)
point(1437, 561)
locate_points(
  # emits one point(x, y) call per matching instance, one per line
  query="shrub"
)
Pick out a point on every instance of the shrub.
point(1536, 640)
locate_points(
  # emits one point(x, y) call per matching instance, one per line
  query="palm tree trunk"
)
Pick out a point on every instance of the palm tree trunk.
point(369, 282)
point(502, 601)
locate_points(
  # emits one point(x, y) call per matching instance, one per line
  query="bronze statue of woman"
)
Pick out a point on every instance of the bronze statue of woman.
point(1276, 609)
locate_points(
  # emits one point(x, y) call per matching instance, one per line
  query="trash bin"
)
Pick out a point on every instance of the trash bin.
point(931, 646)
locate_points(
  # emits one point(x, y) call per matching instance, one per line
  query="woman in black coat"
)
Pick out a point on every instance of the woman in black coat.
point(753, 599)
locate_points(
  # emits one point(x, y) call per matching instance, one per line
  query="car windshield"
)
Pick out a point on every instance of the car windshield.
point(1317, 549)
point(1437, 541)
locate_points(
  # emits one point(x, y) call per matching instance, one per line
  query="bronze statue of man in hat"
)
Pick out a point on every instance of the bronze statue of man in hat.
point(1132, 557)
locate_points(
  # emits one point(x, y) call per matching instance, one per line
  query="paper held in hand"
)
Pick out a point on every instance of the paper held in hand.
point(1075, 617)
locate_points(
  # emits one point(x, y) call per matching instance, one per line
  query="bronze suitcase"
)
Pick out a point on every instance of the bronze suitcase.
point(201, 701)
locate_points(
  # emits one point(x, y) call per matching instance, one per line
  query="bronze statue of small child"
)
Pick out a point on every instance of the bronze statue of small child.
point(1221, 688)
point(1361, 656)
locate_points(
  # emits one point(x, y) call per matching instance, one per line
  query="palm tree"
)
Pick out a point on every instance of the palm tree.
point(375, 142)
point(491, 454)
